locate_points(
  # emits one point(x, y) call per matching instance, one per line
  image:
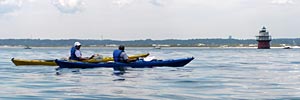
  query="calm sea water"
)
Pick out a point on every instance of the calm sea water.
point(215, 73)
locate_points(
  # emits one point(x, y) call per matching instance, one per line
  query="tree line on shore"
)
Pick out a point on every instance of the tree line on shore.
point(143, 43)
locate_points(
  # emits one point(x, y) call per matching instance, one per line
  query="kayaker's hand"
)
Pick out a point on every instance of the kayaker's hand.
point(92, 57)
point(83, 58)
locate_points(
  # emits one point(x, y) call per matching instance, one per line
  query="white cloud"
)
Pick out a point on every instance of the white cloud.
point(282, 1)
point(69, 6)
point(156, 2)
point(122, 3)
point(31, 0)
point(10, 6)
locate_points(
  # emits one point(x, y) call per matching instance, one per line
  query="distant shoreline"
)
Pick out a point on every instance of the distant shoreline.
point(148, 43)
point(94, 47)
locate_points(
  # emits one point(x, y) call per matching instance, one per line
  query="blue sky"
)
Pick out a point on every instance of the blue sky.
point(144, 19)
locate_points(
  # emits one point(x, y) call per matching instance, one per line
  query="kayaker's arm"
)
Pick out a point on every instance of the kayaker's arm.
point(83, 58)
point(127, 59)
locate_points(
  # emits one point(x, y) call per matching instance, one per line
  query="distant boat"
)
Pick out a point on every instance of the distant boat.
point(157, 47)
point(27, 47)
point(287, 47)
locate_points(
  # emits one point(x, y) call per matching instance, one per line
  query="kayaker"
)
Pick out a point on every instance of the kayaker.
point(76, 53)
point(120, 55)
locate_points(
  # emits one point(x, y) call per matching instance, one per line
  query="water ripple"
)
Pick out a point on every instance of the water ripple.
point(215, 73)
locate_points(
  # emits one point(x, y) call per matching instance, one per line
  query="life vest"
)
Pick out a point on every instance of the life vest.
point(73, 55)
point(117, 55)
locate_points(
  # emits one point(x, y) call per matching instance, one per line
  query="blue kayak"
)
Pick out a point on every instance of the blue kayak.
point(137, 64)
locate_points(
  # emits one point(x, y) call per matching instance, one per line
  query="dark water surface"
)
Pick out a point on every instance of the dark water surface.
point(215, 73)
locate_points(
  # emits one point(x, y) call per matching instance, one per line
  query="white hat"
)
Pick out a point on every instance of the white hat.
point(77, 44)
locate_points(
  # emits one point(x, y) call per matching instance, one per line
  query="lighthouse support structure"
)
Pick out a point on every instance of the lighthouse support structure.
point(263, 44)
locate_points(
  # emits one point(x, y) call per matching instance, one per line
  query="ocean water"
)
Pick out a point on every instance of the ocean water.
point(215, 73)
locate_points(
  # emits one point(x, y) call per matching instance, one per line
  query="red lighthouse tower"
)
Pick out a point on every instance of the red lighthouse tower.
point(263, 39)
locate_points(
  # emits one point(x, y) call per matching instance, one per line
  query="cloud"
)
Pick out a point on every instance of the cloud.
point(156, 2)
point(283, 2)
point(122, 3)
point(10, 6)
point(69, 6)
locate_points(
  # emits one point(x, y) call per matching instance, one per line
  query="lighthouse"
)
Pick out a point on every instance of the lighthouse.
point(263, 39)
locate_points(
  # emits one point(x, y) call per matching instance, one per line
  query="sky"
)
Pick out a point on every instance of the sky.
point(147, 19)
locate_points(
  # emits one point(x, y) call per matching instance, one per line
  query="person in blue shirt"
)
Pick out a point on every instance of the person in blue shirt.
point(119, 55)
point(76, 53)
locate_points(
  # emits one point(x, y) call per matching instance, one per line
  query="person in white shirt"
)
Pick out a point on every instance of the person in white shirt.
point(76, 53)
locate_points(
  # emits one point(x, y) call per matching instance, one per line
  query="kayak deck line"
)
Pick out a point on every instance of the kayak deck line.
point(51, 62)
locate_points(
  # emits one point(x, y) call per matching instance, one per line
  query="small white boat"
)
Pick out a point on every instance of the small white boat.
point(157, 47)
point(27, 47)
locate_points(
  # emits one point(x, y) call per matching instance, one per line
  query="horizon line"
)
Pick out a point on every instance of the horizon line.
point(133, 39)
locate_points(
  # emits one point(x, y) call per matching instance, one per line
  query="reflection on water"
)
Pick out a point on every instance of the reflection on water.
point(215, 73)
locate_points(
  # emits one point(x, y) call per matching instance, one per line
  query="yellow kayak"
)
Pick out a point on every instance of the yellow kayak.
point(20, 62)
